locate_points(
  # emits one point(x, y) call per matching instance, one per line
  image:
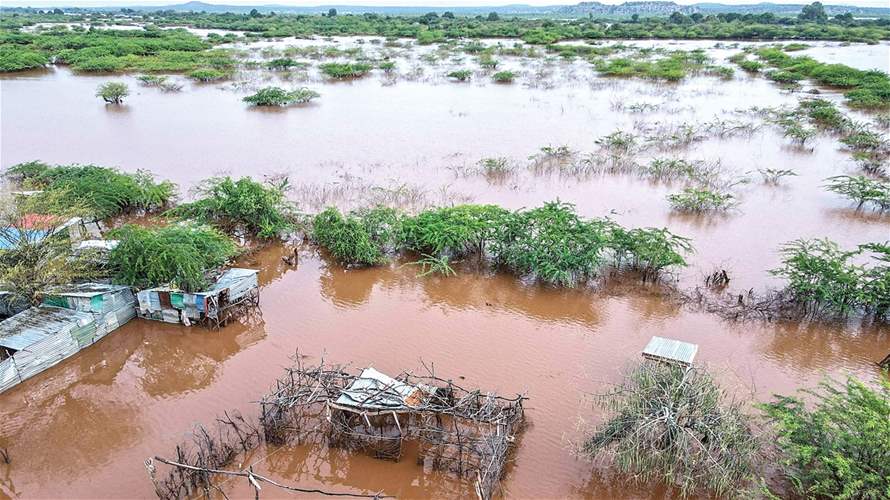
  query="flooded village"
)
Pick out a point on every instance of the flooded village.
point(556, 253)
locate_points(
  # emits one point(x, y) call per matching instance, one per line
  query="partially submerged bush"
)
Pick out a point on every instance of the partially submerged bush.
point(678, 426)
point(453, 231)
point(276, 96)
point(552, 244)
point(504, 77)
point(102, 191)
point(461, 75)
point(283, 63)
point(356, 239)
point(152, 80)
point(861, 189)
point(113, 92)
point(649, 250)
point(838, 445)
point(699, 200)
point(239, 206)
point(345, 70)
point(180, 255)
point(825, 281)
point(206, 75)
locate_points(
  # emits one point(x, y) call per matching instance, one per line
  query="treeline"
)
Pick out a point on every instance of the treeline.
point(432, 26)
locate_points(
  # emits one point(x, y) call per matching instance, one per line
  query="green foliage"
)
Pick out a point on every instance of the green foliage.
point(179, 255)
point(103, 192)
point(825, 280)
point(14, 59)
point(504, 77)
point(838, 445)
point(552, 244)
point(356, 239)
point(206, 75)
point(241, 206)
point(861, 189)
point(345, 70)
point(152, 80)
point(825, 113)
point(284, 63)
point(113, 92)
point(452, 231)
point(461, 75)
point(678, 426)
point(700, 199)
point(434, 265)
point(673, 66)
point(387, 66)
point(649, 250)
point(276, 96)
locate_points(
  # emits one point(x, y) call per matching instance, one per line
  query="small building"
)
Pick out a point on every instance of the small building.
point(670, 351)
point(236, 290)
point(70, 319)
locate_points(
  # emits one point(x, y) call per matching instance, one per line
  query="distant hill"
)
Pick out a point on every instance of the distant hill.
point(583, 9)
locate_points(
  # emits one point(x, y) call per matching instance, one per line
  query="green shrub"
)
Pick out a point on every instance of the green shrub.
point(345, 70)
point(152, 80)
point(113, 92)
point(104, 192)
point(452, 231)
point(749, 65)
point(356, 239)
point(461, 75)
point(180, 255)
point(276, 96)
point(504, 76)
point(861, 189)
point(552, 244)
point(239, 207)
point(206, 75)
point(21, 59)
point(284, 63)
point(676, 425)
point(700, 200)
point(649, 250)
point(387, 66)
point(837, 444)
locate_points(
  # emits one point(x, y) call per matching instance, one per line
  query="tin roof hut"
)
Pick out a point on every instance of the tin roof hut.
point(236, 290)
point(70, 319)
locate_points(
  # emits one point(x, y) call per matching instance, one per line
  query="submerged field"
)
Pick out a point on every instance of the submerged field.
point(413, 137)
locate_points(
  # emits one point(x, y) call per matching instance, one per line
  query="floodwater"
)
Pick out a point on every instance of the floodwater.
point(84, 428)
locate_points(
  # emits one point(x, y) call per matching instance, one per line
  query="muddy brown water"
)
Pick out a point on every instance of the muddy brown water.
point(83, 428)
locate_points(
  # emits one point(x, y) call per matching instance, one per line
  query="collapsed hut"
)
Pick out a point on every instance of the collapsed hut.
point(69, 319)
point(466, 433)
point(235, 292)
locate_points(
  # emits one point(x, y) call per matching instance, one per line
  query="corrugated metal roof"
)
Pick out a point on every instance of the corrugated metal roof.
point(376, 391)
point(37, 323)
point(670, 350)
point(232, 276)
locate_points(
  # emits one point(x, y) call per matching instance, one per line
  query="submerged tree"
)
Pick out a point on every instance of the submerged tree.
point(838, 446)
point(276, 96)
point(113, 92)
point(676, 425)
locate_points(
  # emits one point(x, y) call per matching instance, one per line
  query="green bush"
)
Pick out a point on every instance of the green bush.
point(113, 92)
point(206, 75)
point(552, 244)
point(677, 426)
point(453, 231)
point(461, 75)
point(20, 60)
point(276, 96)
point(649, 250)
point(104, 192)
point(345, 70)
point(504, 77)
point(356, 239)
point(861, 189)
point(698, 200)
point(239, 207)
point(838, 444)
point(180, 255)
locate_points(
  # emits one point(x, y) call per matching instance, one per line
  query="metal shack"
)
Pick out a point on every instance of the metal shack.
point(70, 319)
point(236, 290)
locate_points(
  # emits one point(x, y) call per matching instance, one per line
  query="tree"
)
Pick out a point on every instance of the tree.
point(635, 18)
point(448, 14)
point(255, 13)
point(332, 12)
point(814, 12)
point(493, 16)
point(113, 92)
point(839, 446)
point(678, 18)
point(58, 11)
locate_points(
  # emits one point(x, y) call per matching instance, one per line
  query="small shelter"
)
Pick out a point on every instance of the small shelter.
point(70, 319)
point(235, 291)
point(670, 351)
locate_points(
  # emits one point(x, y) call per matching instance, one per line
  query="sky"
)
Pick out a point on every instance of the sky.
point(425, 3)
